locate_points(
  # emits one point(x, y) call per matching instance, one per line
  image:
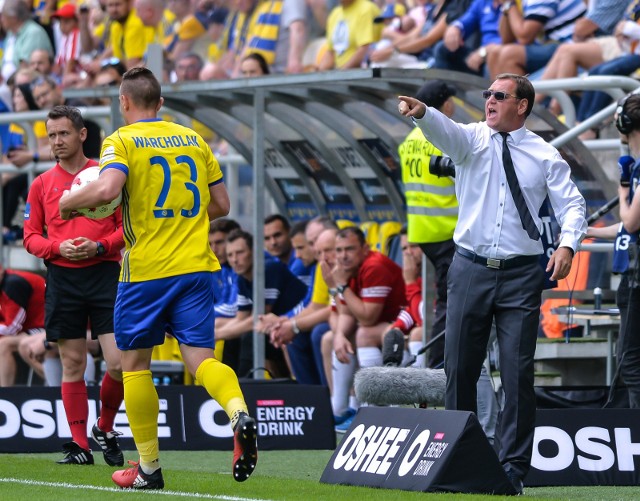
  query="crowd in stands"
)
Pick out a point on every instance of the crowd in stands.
point(70, 41)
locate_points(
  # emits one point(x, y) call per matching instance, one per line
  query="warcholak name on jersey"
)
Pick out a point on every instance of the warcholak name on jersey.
point(165, 141)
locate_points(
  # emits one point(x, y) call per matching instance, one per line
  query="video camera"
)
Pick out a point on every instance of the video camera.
point(441, 166)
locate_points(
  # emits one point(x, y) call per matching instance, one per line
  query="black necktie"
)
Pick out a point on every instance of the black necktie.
point(525, 216)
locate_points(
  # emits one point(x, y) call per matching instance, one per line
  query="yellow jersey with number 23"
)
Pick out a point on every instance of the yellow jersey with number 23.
point(169, 170)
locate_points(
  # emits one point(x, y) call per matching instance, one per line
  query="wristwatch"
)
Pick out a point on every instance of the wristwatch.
point(100, 250)
point(482, 52)
point(333, 292)
point(342, 288)
point(505, 7)
point(294, 326)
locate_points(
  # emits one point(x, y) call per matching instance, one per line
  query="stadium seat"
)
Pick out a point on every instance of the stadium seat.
point(387, 230)
point(343, 223)
point(371, 233)
point(395, 251)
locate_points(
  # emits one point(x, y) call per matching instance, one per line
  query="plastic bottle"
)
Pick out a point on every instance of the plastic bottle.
point(156, 381)
point(597, 298)
point(166, 380)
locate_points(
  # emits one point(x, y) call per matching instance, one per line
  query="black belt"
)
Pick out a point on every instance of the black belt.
point(497, 264)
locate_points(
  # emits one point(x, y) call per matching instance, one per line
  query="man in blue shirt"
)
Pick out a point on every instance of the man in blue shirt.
point(454, 52)
point(282, 292)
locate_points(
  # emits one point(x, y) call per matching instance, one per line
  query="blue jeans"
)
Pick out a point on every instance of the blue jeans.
point(593, 101)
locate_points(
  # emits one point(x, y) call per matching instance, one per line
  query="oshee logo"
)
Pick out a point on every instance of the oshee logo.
point(42, 418)
point(593, 449)
point(376, 449)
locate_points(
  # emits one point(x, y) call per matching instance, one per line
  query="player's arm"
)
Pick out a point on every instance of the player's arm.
point(100, 192)
point(219, 205)
point(114, 242)
point(366, 313)
point(35, 240)
point(345, 329)
point(609, 232)
point(243, 322)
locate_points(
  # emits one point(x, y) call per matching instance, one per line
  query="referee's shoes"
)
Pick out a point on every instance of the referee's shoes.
point(74, 454)
point(108, 442)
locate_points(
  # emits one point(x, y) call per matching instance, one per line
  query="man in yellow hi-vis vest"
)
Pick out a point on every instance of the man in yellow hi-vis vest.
point(432, 207)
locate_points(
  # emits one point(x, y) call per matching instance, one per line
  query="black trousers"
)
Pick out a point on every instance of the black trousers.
point(628, 346)
point(440, 254)
point(477, 294)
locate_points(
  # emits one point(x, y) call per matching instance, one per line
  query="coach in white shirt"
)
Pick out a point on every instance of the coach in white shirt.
point(496, 271)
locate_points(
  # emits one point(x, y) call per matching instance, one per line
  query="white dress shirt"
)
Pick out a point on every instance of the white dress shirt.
point(488, 220)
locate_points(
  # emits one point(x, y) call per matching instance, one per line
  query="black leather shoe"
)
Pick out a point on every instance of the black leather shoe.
point(74, 454)
point(516, 481)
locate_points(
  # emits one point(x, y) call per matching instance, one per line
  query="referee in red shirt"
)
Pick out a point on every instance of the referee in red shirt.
point(82, 257)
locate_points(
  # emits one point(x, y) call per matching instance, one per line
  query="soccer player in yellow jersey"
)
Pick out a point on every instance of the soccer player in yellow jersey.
point(171, 187)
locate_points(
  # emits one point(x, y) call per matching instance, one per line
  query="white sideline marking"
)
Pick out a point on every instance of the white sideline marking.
point(66, 485)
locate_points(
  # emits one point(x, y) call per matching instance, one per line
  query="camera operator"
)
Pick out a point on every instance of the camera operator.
point(625, 255)
point(432, 208)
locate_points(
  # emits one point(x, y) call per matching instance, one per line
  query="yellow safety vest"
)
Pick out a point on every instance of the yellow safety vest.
point(432, 207)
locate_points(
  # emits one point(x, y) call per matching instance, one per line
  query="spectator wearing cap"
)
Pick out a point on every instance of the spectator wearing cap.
point(350, 33)
point(454, 51)
point(432, 208)
point(23, 36)
point(67, 58)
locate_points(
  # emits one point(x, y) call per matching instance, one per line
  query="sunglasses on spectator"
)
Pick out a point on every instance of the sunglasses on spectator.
point(498, 94)
point(112, 83)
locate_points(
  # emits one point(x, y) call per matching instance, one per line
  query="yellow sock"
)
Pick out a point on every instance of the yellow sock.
point(222, 384)
point(141, 401)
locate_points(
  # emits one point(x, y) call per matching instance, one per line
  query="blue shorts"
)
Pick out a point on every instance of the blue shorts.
point(182, 305)
point(538, 56)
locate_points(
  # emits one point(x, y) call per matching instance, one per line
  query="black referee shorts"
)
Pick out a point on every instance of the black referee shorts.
point(79, 298)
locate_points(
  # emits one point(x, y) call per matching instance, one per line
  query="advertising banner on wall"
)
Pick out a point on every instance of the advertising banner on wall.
point(289, 416)
point(586, 447)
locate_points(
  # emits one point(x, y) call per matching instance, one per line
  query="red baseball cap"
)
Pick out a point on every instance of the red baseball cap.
point(67, 11)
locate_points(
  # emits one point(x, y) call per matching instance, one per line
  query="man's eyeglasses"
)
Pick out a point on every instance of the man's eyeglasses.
point(498, 94)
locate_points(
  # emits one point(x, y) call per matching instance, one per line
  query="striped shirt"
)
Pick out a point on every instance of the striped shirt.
point(606, 14)
point(557, 16)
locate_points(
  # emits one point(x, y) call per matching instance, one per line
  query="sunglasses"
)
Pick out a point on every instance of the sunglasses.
point(498, 94)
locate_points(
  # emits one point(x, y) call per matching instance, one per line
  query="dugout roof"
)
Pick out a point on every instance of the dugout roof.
point(328, 141)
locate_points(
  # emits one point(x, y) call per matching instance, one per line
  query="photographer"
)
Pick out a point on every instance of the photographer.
point(432, 208)
point(625, 255)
